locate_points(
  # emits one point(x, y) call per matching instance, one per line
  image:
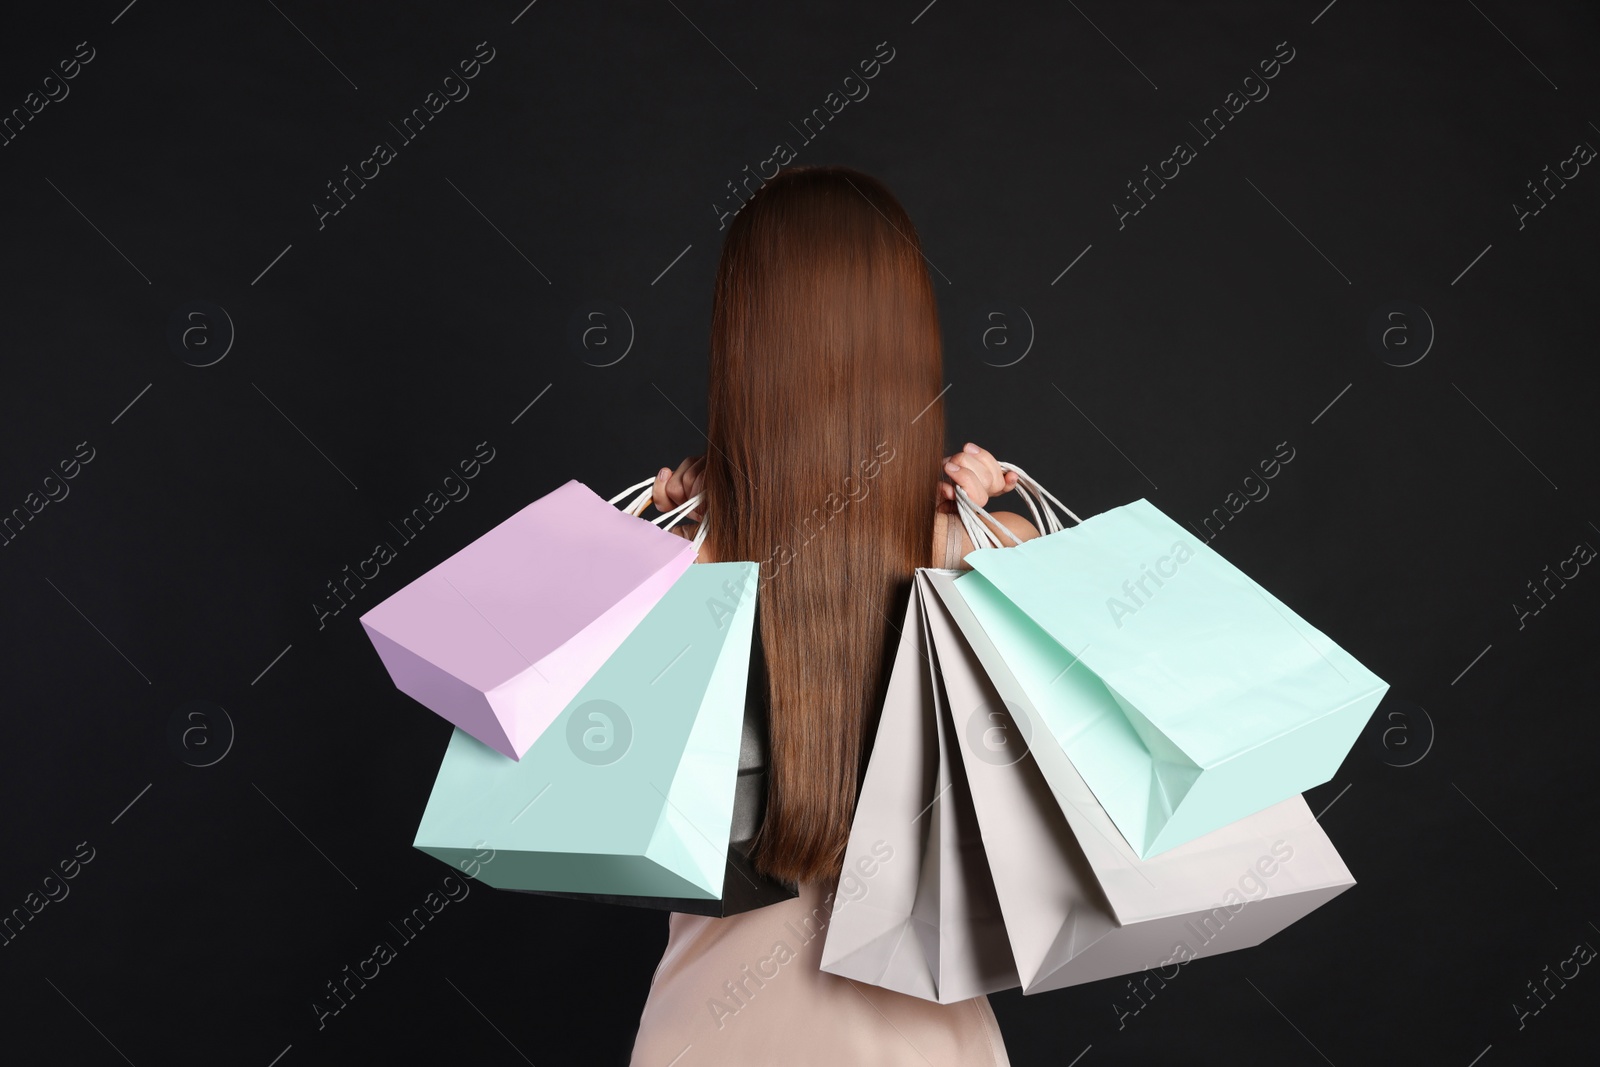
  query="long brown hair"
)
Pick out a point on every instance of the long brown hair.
point(826, 428)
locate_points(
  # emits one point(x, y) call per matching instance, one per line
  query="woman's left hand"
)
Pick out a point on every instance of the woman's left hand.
point(976, 471)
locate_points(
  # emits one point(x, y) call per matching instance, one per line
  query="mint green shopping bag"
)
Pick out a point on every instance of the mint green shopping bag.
point(630, 791)
point(1185, 694)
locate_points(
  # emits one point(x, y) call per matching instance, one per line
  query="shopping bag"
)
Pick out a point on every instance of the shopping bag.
point(924, 919)
point(743, 887)
point(1052, 905)
point(1079, 905)
point(1047, 894)
point(1185, 694)
point(499, 637)
point(630, 793)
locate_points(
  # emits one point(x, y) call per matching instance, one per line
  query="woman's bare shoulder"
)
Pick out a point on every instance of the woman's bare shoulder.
point(946, 525)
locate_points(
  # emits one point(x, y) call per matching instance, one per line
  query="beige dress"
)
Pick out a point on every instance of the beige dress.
point(748, 990)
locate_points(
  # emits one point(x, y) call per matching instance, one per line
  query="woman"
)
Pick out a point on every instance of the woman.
point(826, 428)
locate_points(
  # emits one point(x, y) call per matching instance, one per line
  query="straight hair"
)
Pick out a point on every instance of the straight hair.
point(825, 432)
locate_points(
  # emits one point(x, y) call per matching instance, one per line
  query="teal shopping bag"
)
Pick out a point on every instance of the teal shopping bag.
point(1185, 694)
point(630, 791)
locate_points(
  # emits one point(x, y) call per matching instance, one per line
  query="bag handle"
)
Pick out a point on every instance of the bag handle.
point(1035, 495)
point(667, 519)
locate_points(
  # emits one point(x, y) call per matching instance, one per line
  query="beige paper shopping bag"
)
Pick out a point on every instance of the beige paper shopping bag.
point(1079, 903)
point(927, 922)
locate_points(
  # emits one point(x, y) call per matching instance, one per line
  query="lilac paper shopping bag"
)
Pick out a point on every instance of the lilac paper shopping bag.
point(501, 636)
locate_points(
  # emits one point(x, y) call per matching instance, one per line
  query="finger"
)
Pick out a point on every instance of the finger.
point(972, 480)
point(957, 463)
point(969, 481)
point(993, 474)
point(960, 459)
point(675, 490)
point(658, 493)
point(989, 481)
point(979, 453)
point(998, 482)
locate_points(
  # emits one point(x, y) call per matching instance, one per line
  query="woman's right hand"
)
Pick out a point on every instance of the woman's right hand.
point(673, 487)
point(976, 471)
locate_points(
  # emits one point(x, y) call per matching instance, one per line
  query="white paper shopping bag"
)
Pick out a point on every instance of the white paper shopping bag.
point(928, 923)
point(1228, 889)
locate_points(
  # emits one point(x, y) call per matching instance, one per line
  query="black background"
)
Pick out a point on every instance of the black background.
point(374, 353)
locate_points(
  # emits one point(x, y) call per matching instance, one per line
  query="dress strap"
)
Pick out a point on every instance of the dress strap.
point(952, 543)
